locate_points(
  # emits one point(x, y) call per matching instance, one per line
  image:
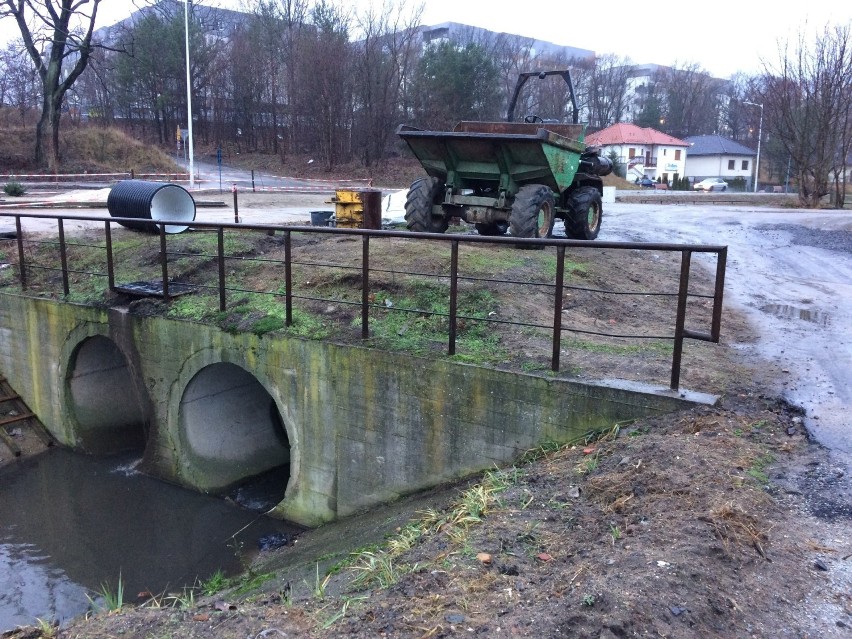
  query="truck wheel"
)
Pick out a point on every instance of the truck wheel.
point(532, 212)
point(498, 228)
point(423, 194)
point(584, 220)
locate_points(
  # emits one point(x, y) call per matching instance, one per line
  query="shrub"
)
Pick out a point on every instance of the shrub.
point(14, 189)
point(737, 184)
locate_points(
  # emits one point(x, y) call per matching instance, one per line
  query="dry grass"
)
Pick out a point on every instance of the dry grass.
point(84, 149)
point(735, 527)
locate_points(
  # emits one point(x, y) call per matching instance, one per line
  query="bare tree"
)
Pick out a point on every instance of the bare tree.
point(384, 58)
point(807, 98)
point(692, 100)
point(325, 83)
point(606, 90)
point(50, 38)
point(20, 83)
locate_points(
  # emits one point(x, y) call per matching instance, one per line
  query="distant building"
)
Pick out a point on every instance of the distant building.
point(716, 156)
point(644, 151)
point(455, 31)
point(216, 22)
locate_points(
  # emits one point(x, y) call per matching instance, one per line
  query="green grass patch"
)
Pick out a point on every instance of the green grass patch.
point(252, 581)
point(758, 468)
point(496, 260)
point(196, 307)
point(425, 330)
point(214, 583)
point(261, 314)
point(655, 347)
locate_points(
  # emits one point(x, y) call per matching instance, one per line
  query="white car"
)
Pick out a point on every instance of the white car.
point(711, 184)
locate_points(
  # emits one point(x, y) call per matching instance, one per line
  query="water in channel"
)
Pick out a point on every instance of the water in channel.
point(71, 524)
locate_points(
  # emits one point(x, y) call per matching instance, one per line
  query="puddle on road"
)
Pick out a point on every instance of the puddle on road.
point(786, 311)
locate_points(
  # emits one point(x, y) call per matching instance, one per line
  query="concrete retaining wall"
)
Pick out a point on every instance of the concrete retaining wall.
point(362, 426)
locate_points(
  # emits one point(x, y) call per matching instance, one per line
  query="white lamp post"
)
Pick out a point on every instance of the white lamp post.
point(759, 135)
point(189, 98)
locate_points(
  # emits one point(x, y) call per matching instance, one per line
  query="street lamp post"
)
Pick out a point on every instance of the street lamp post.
point(759, 135)
point(189, 99)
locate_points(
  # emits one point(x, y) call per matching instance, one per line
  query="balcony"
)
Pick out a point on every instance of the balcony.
point(649, 163)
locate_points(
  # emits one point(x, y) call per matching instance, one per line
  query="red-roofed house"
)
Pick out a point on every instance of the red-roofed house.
point(644, 151)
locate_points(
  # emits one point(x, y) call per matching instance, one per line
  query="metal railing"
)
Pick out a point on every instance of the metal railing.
point(558, 285)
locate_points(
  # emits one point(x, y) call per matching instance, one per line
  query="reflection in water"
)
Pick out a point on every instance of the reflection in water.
point(69, 524)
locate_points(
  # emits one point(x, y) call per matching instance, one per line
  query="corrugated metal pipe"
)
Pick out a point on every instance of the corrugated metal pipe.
point(151, 201)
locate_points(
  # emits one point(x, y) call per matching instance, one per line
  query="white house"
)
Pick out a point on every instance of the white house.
point(715, 156)
point(644, 151)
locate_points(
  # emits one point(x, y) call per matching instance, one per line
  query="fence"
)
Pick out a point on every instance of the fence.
point(168, 288)
point(93, 177)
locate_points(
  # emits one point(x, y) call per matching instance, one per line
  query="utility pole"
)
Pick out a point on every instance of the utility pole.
point(190, 142)
point(759, 135)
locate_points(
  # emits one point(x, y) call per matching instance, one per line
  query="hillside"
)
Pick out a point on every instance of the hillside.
point(83, 150)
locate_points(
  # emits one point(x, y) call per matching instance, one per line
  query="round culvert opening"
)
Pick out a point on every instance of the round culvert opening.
point(144, 200)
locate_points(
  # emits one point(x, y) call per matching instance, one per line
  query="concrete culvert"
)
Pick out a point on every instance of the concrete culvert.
point(110, 416)
point(151, 201)
point(231, 429)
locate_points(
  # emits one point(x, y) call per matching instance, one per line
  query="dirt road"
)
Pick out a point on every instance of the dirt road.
point(790, 270)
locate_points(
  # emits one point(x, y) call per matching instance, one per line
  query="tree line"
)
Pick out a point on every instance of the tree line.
point(311, 77)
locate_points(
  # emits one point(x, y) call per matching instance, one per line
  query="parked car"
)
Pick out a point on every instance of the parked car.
point(711, 184)
point(645, 182)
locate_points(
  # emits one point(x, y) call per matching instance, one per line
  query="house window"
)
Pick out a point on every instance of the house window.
point(664, 152)
point(745, 165)
point(732, 165)
point(677, 155)
point(631, 153)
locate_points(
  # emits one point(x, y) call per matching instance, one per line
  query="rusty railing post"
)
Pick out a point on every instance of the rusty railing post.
point(22, 268)
point(365, 287)
point(557, 308)
point(721, 263)
point(236, 206)
point(680, 320)
point(454, 293)
point(220, 250)
point(63, 256)
point(288, 280)
point(109, 256)
point(164, 262)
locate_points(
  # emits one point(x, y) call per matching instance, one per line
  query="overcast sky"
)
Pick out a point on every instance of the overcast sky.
point(722, 37)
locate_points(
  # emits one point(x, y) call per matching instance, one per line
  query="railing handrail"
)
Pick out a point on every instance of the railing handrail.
point(446, 237)
point(686, 251)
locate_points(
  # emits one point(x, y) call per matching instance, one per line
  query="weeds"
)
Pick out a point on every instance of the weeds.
point(108, 600)
point(320, 584)
point(46, 629)
point(615, 533)
point(347, 601)
point(588, 463)
point(758, 468)
point(14, 189)
point(378, 570)
point(214, 583)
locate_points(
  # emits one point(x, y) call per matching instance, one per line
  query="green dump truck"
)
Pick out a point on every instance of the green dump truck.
point(515, 176)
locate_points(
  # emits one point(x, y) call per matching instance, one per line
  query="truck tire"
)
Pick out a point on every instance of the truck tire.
point(498, 228)
point(584, 220)
point(532, 212)
point(423, 194)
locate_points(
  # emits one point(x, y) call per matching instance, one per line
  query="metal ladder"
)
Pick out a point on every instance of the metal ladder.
point(13, 410)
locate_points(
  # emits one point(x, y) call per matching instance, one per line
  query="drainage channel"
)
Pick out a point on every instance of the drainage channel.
point(73, 525)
